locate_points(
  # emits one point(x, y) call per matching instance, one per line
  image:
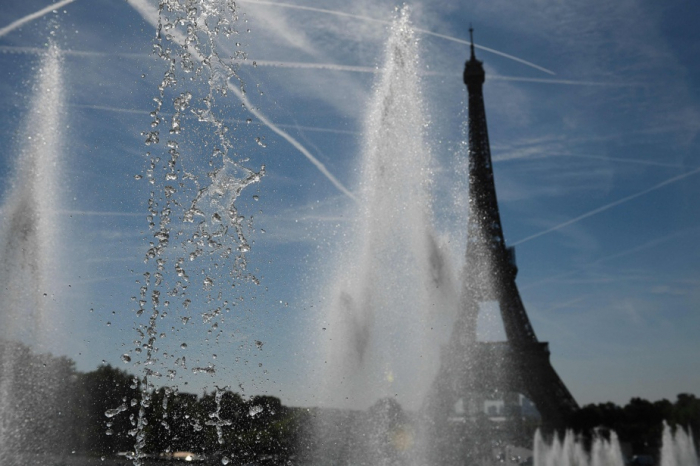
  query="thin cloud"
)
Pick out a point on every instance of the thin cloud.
point(608, 206)
point(382, 21)
point(22, 21)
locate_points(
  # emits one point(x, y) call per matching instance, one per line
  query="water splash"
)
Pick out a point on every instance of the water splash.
point(27, 244)
point(195, 177)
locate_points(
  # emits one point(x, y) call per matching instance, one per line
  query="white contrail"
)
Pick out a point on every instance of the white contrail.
point(322, 168)
point(374, 70)
point(608, 206)
point(618, 159)
point(626, 252)
point(308, 65)
point(133, 111)
point(324, 66)
point(382, 21)
point(16, 24)
point(499, 77)
point(150, 15)
point(98, 213)
point(77, 53)
point(488, 49)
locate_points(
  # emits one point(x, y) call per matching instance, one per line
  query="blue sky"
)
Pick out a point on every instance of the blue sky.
point(595, 156)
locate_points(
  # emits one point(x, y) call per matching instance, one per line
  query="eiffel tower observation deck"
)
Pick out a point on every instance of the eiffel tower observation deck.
point(474, 371)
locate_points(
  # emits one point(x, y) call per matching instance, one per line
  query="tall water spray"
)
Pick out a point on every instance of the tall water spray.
point(27, 258)
point(391, 280)
point(572, 452)
point(678, 448)
point(389, 301)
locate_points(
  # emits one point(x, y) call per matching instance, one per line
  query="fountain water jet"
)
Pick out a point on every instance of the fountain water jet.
point(389, 299)
point(27, 240)
point(392, 279)
point(572, 452)
point(678, 449)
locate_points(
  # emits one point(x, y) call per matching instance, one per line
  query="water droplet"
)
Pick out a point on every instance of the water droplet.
point(255, 410)
point(183, 346)
point(113, 412)
point(126, 358)
point(208, 283)
point(225, 460)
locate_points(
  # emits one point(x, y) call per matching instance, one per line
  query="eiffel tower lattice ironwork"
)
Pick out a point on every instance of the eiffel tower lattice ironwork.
point(521, 363)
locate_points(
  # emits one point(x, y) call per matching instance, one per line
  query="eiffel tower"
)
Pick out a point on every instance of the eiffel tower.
point(473, 371)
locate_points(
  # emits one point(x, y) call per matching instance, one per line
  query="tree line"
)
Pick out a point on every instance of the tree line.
point(49, 406)
point(639, 423)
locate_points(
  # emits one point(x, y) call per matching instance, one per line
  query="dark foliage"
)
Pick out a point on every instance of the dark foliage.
point(640, 422)
point(57, 409)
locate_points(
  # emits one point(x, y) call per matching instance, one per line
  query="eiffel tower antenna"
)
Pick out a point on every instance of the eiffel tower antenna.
point(471, 38)
point(472, 371)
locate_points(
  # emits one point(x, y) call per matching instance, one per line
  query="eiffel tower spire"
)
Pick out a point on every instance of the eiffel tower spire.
point(471, 370)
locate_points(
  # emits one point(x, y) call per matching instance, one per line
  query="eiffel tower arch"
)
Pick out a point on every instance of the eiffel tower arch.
point(472, 371)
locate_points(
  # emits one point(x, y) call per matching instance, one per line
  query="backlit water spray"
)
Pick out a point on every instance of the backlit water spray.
point(387, 300)
point(677, 449)
point(27, 250)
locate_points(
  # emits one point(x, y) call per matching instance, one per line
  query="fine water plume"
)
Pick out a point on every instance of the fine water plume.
point(392, 273)
point(29, 224)
point(392, 284)
point(571, 451)
point(678, 448)
point(28, 230)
